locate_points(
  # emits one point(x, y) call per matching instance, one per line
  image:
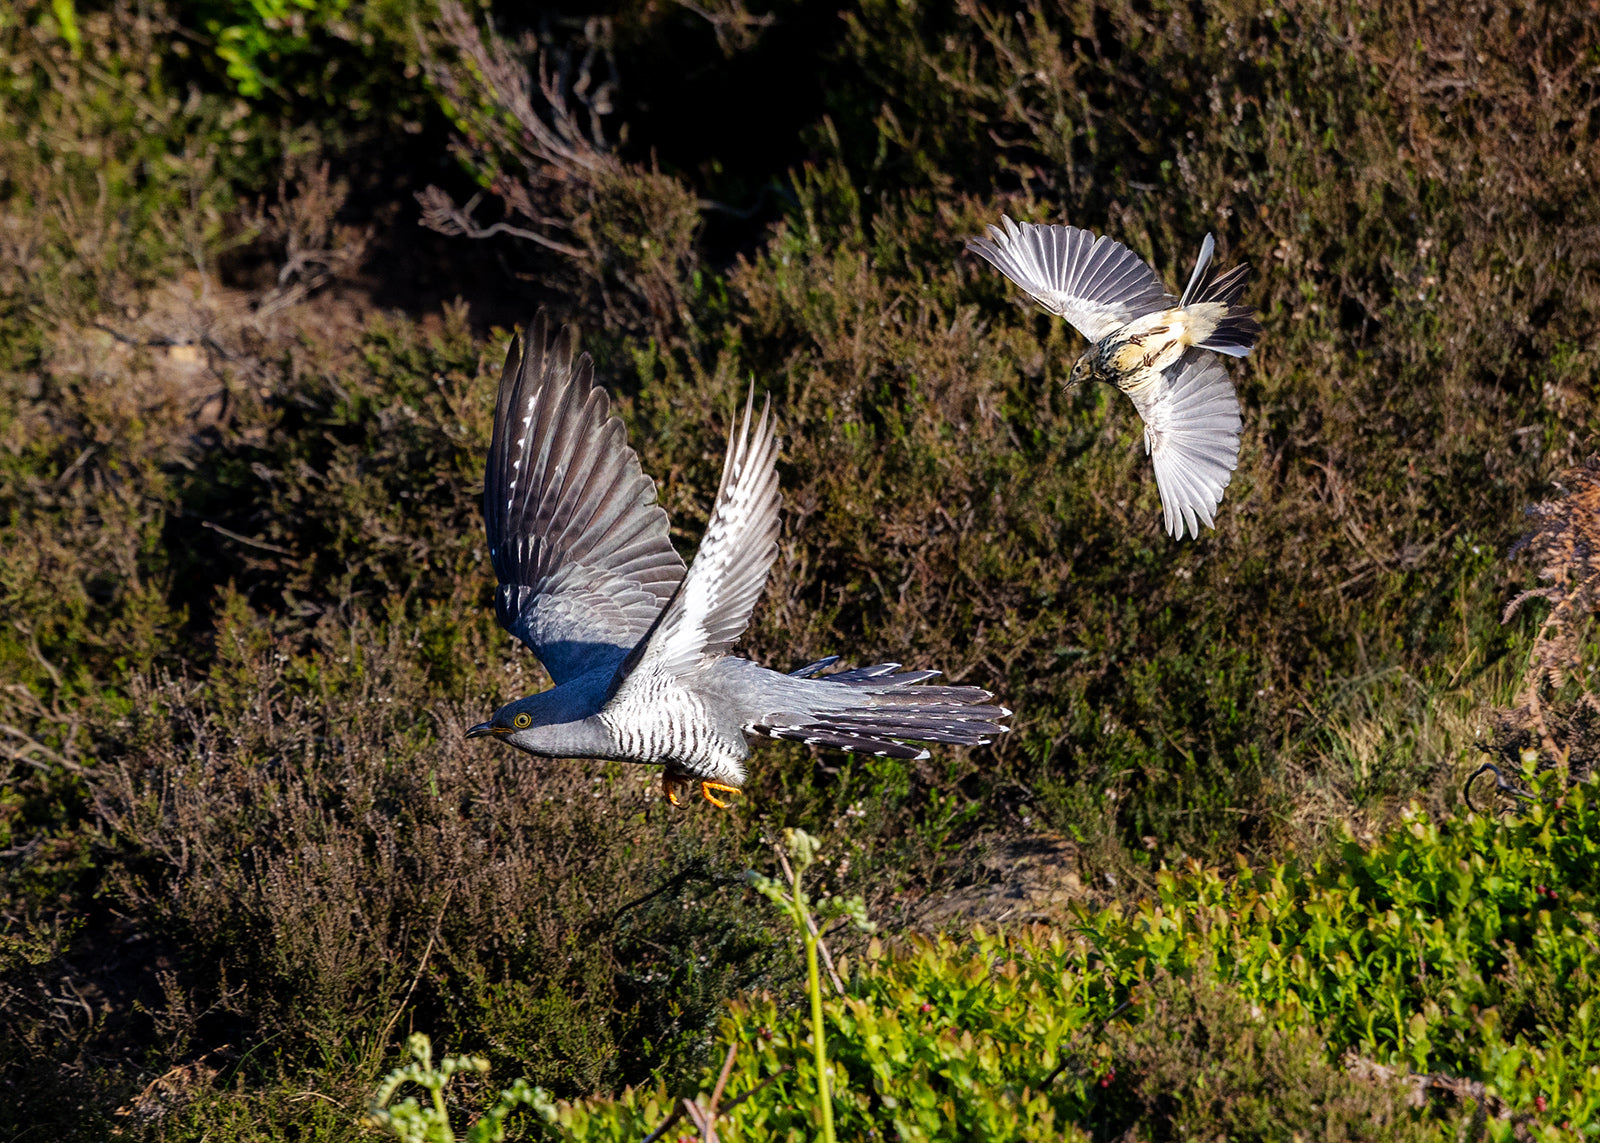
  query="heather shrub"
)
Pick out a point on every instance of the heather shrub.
point(395, 873)
point(245, 600)
point(115, 177)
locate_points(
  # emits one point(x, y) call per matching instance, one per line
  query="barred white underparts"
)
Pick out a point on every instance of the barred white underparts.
point(665, 723)
point(636, 643)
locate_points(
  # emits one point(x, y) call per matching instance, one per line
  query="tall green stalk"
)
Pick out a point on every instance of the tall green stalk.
point(814, 986)
point(795, 904)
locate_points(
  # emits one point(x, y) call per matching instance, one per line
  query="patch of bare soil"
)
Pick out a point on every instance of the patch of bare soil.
point(1020, 879)
point(304, 287)
point(183, 338)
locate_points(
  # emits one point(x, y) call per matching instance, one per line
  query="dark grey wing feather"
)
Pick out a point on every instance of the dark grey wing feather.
point(577, 541)
point(875, 711)
point(712, 607)
point(1192, 428)
point(1098, 285)
point(811, 669)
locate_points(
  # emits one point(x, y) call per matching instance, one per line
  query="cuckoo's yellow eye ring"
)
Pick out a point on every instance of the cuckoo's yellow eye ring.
point(522, 721)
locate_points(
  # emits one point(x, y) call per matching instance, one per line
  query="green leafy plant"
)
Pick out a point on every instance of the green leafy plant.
point(1394, 991)
point(413, 1122)
point(793, 901)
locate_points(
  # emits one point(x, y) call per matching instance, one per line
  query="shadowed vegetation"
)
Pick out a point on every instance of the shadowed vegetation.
point(244, 600)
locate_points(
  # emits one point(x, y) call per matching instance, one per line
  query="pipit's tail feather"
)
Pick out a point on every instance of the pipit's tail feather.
point(872, 710)
point(1217, 297)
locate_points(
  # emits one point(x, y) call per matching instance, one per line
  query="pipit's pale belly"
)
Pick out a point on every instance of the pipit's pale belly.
point(1138, 355)
point(1160, 354)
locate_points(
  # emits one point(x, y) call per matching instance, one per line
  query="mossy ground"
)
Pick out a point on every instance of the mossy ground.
point(243, 411)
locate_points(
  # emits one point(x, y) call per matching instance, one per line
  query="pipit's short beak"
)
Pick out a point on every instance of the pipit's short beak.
point(482, 730)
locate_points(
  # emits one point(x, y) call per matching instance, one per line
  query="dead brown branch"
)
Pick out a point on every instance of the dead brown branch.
point(1564, 544)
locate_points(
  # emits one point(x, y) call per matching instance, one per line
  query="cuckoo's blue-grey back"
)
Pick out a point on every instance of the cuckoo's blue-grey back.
point(637, 644)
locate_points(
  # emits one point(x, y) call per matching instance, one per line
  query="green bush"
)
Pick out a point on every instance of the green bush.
point(243, 616)
point(1327, 1001)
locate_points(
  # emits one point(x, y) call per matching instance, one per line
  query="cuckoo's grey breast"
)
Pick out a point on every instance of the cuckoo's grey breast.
point(637, 644)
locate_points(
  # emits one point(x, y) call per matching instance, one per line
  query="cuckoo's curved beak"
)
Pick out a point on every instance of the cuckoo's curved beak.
point(482, 730)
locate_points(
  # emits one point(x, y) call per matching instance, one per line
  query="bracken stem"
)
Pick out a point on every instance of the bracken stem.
point(814, 984)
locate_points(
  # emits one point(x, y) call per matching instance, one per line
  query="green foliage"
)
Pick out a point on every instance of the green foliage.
point(67, 22)
point(344, 64)
point(253, 37)
point(410, 1122)
point(1294, 999)
point(792, 901)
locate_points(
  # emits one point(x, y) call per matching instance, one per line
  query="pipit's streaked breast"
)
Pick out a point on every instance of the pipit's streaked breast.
point(1159, 353)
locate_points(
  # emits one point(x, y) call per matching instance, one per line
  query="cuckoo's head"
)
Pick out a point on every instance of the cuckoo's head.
point(523, 714)
point(544, 724)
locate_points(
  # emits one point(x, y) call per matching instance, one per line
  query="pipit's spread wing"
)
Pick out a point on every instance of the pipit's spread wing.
point(1192, 425)
point(712, 607)
point(1098, 285)
point(578, 543)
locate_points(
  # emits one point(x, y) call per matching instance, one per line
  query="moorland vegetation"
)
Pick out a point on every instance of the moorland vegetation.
point(259, 264)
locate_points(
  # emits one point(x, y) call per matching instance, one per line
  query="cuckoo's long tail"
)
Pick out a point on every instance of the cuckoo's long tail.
point(872, 710)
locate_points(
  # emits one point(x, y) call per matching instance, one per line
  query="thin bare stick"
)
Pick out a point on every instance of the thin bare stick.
point(32, 745)
point(439, 212)
point(678, 1111)
point(722, 1080)
point(66, 475)
point(1500, 785)
point(758, 1087)
point(33, 647)
point(421, 964)
point(262, 544)
point(703, 1121)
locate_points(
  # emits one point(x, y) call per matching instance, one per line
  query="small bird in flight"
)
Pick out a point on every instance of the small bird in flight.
point(1159, 354)
point(636, 644)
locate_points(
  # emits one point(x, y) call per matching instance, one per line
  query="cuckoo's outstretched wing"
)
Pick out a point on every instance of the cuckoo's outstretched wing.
point(1098, 285)
point(577, 540)
point(712, 607)
point(1191, 432)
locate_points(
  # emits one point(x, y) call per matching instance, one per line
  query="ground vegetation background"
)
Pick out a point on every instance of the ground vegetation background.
point(259, 264)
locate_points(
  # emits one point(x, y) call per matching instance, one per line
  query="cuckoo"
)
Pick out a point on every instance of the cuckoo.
point(636, 643)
